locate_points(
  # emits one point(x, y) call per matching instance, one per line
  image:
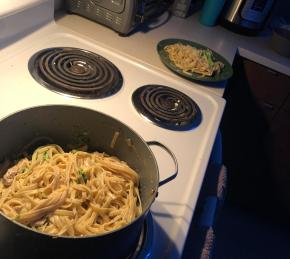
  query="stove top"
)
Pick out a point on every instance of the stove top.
point(75, 72)
point(166, 107)
point(173, 208)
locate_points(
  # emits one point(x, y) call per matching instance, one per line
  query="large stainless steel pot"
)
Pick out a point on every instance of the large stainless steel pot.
point(69, 125)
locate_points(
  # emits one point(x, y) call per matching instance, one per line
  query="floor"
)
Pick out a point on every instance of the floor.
point(244, 234)
point(244, 229)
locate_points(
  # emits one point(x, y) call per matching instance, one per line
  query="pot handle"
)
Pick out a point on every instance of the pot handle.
point(168, 179)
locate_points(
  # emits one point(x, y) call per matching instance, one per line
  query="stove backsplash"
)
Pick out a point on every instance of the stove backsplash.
point(58, 4)
point(23, 17)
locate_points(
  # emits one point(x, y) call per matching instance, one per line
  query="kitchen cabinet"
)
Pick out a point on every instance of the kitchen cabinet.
point(256, 137)
point(269, 88)
point(279, 152)
point(271, 91)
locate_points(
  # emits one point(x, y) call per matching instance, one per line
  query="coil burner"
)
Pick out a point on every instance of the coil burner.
point(166, 107)
point(75, 72)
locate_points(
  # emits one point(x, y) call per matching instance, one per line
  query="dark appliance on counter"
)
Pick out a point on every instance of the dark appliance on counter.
point(246, 16)
point(185, 8)
point(120, 15)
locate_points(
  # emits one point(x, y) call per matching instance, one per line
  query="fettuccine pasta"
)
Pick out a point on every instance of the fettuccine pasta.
point(72, 194)
point(190, 59)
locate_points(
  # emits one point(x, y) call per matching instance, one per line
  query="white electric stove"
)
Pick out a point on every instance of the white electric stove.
point(173, 208)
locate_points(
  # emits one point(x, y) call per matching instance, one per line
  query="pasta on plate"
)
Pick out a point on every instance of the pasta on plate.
point(71, 194)
point(193, 60)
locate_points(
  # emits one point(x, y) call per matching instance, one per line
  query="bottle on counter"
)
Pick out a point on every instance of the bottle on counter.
point(210, 12)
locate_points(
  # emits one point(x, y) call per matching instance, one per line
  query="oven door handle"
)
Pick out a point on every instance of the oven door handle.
point(171, 177)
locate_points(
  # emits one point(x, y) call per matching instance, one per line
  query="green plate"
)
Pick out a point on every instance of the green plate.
point(225, 74)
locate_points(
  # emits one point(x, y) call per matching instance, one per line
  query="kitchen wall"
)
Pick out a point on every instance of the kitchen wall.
point(58, 4)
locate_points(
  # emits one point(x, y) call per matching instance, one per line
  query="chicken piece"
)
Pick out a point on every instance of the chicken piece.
point(8, 177)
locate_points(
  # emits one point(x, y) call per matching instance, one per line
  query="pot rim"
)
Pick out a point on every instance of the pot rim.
point(144, 210)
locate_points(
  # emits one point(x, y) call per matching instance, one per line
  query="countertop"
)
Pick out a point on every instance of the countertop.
point(141, 44)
